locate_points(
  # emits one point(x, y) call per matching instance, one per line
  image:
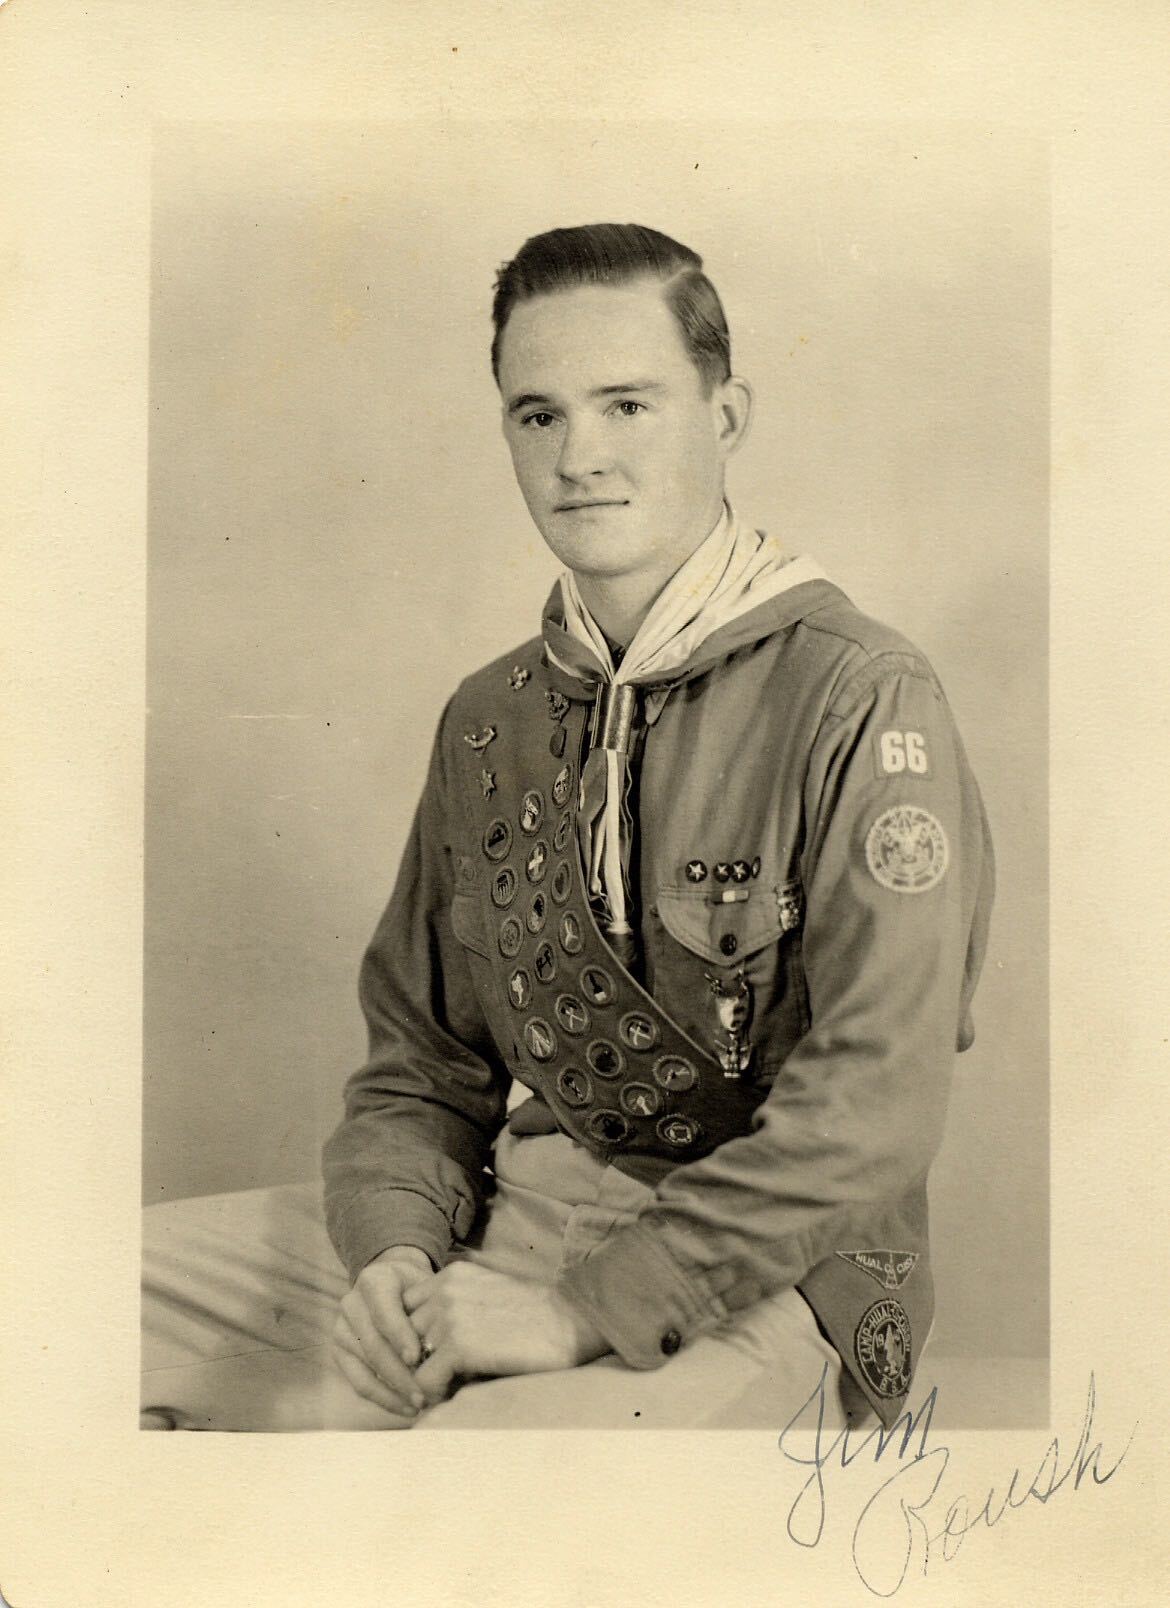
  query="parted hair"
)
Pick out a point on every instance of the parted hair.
point(616, 254)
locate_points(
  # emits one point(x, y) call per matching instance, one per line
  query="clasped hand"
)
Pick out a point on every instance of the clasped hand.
point(405, 1334)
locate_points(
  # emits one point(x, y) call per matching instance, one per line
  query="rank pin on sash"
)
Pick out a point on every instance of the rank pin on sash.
point(733, 1007)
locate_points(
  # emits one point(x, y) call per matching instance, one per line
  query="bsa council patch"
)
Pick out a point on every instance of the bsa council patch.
point(906, 849)
point(882, 1347)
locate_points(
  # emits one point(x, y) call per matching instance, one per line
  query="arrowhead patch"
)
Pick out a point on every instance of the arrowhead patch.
point(890, 1268)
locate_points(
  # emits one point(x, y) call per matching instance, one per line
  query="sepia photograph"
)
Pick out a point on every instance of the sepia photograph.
point(607, 617)
point(582, 733)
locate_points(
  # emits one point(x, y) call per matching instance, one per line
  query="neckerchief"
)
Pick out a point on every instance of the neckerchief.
point(732, 572)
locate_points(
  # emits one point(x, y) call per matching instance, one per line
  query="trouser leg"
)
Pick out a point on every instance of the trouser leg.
point(239, 1294)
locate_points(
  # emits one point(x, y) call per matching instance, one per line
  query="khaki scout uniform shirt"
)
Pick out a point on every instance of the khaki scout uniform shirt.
point(814, 877)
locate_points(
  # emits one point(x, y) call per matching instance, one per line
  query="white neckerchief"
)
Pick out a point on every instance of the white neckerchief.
point(733, 571)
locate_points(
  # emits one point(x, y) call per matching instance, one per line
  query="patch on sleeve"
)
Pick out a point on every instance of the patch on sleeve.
point(902, 753)
point(906, 849)
point(882, 1348)
point(890, 1268)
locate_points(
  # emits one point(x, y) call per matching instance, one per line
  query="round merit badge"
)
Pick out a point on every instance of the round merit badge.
point(906, 849)
point(882, 1348)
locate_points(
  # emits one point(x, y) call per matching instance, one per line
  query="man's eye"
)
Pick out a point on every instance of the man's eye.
point(540, 420)
point(627, 407)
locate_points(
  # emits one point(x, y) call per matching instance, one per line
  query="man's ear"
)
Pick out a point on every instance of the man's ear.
point(732, 402)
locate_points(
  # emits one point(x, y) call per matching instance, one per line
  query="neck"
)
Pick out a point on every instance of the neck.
point(619, 603)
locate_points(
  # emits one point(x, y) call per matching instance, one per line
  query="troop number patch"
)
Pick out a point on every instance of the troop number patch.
point(882, 1348)
point(906, 849)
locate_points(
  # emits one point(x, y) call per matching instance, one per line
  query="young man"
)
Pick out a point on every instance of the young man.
point(704, 868)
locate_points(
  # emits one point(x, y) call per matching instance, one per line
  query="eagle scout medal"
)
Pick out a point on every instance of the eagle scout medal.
point(881, 1345)
point(906, 849)
point(733, 1008)
point(480, 739)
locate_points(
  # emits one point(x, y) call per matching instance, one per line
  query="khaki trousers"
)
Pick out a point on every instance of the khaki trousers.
point(240, 1293)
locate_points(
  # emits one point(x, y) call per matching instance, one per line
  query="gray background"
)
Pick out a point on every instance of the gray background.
point(335, 538)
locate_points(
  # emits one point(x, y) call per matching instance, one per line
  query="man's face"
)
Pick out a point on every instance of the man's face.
point(616, 449)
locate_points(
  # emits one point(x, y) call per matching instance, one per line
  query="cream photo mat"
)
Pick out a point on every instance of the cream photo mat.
point(253, 1520)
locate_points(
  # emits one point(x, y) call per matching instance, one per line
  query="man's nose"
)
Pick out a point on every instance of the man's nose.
point(583, 450)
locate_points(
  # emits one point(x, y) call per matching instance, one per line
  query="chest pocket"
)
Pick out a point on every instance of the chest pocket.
point(701, 946)
point(467, 922)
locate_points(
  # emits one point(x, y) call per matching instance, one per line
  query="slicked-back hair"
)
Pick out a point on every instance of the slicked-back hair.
point(619, 254)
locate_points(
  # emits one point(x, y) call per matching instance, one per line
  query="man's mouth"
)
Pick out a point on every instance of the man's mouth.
point(589, 502)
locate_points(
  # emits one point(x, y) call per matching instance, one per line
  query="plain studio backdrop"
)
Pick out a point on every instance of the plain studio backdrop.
point(335, 539)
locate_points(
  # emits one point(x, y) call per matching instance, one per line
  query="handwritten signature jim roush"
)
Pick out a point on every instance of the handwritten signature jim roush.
point(910, 1522)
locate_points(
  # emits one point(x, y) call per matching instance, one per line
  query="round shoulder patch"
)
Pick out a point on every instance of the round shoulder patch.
point(882, 1348)
point(906, 849)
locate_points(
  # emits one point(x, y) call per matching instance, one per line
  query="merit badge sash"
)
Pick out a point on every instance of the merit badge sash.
point(617, 1073)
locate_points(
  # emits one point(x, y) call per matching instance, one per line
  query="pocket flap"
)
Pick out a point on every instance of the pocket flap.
point(467, 922)
point(707, 929)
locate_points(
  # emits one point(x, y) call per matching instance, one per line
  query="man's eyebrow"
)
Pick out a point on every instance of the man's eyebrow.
point(529, 399)
point(626, 386)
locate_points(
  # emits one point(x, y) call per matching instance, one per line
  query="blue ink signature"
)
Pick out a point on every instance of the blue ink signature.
point(902, 1518)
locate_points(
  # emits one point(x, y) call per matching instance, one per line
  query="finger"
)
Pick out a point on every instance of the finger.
point(378, 1355)
point(437, 1373)
point(367, 1385)
point(416, 1295)
point(345, 1340)
point(383, 1301)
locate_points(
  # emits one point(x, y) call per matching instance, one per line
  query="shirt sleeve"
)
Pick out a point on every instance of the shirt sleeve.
point(405, 1165)
point(897, 875)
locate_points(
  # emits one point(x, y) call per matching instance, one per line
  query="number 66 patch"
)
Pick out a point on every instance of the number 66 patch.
point(902, 753)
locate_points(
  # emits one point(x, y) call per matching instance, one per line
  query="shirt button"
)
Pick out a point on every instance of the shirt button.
point(728, 943)
point(671, 1341)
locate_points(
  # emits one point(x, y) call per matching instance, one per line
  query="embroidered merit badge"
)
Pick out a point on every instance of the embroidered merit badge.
point(889, 1268)
point(882, 1348)
point(906, 849)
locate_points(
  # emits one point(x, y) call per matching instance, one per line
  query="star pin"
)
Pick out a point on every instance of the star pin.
point(487, 780)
